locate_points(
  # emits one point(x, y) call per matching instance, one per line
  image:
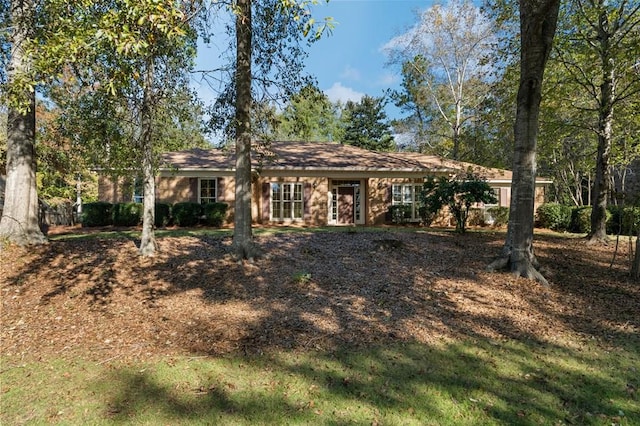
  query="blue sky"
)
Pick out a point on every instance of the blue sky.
point(350, 62)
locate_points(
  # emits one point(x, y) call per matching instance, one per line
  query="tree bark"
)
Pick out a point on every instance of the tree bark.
point(601, 185)
point(148, 244)
point(242, 234)
point(19, 223)
point(538, 21)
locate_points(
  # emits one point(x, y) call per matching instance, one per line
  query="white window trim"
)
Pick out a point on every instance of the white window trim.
point(215, 179)
point(415, 214)
point(281, 218)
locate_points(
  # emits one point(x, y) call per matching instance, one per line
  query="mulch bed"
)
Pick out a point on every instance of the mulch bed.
point(96, 298)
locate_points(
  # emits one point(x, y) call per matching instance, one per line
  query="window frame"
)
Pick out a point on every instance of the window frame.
point(287, 201)
point(399, 198)
point(207, 199)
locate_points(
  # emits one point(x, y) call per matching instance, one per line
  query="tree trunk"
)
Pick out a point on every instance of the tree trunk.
point(147, 240)
point(537, 25)
point(635, 266)
point(242, 234)
point(19, 223)
point(605, 135)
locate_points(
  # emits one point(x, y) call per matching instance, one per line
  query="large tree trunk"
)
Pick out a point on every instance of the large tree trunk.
point(242, 234)
point(537, 25)
point(147, 240)
point(601, 184)
point(19, 223)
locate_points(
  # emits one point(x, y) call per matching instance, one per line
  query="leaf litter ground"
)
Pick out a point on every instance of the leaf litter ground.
point(96, 298)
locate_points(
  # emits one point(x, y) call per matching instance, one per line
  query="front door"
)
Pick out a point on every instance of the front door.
point(345, 205)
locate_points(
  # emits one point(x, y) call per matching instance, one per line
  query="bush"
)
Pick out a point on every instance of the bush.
point(162, 215)
point(554, 216)
point(499, 214)
point(623, 220)
point(426, 216)
point(400, 213)
point(214, 213)
point(581, 220)
point(96, 214)
point(186, 214)
point(126, 214)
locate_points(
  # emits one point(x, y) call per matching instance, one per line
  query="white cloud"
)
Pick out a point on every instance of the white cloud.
point(350, 73)
point(340, 93)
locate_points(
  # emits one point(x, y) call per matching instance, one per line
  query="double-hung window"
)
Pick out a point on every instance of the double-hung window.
point(407, 195)
point(286, 201)
point(208, 191)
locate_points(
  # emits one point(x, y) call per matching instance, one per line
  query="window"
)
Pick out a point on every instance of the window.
point(286, 201)
point(138, 190)
point(407, 195)
point(208, 192)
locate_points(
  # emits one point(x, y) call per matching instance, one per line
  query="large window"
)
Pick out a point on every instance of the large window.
point(286, 201)
point(407, 195)
point(208, 191)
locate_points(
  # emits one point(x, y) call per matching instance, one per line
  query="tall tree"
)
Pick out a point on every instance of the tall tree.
point(242, 233)
point(366, 125)
point(538, 20)
point(19, 223)
point(268, 36)
point(600, 46)
point(441, 61)
point(310, 116)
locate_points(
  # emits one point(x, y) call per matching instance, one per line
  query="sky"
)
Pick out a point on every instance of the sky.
point(350, 62)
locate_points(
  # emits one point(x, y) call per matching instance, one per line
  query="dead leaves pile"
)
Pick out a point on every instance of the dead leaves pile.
point(97, 299)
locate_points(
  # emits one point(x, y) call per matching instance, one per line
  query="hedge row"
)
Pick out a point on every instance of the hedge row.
point(620, 220)
point(102, 213)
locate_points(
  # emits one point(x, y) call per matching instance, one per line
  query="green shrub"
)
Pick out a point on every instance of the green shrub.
point(400, 213)
point(186, 214)
point(214, 213)
point(96, 214)
point(554, 216)
point(499, 214)
point(126, 214)
point(623, 220)
point(426, 216)
point(581, 220)
point(162, 215)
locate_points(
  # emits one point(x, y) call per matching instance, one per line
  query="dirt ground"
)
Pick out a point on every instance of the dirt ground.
point(96, 298)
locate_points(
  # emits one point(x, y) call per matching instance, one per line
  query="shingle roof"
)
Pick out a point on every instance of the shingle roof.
point(324, 156)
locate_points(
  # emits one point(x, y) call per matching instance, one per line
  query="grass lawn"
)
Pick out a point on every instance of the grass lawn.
point(229, 344)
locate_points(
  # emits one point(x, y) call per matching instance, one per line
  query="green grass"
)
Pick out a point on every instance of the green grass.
point(462, 383)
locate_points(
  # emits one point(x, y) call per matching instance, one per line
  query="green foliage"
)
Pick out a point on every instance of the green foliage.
point(162, 215)
point(366, 125)
point(581, 219)
point(214, 213)
point(126, 214)
point(623, 220)
point(96, 214)
point(310, 116)
point(399, 214)
point(426, 215)
point(554, 216)
point(458, 194)
point(186, 214)
point(500, 215)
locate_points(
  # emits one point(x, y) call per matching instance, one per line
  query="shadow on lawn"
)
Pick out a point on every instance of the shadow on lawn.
point(409, 384)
